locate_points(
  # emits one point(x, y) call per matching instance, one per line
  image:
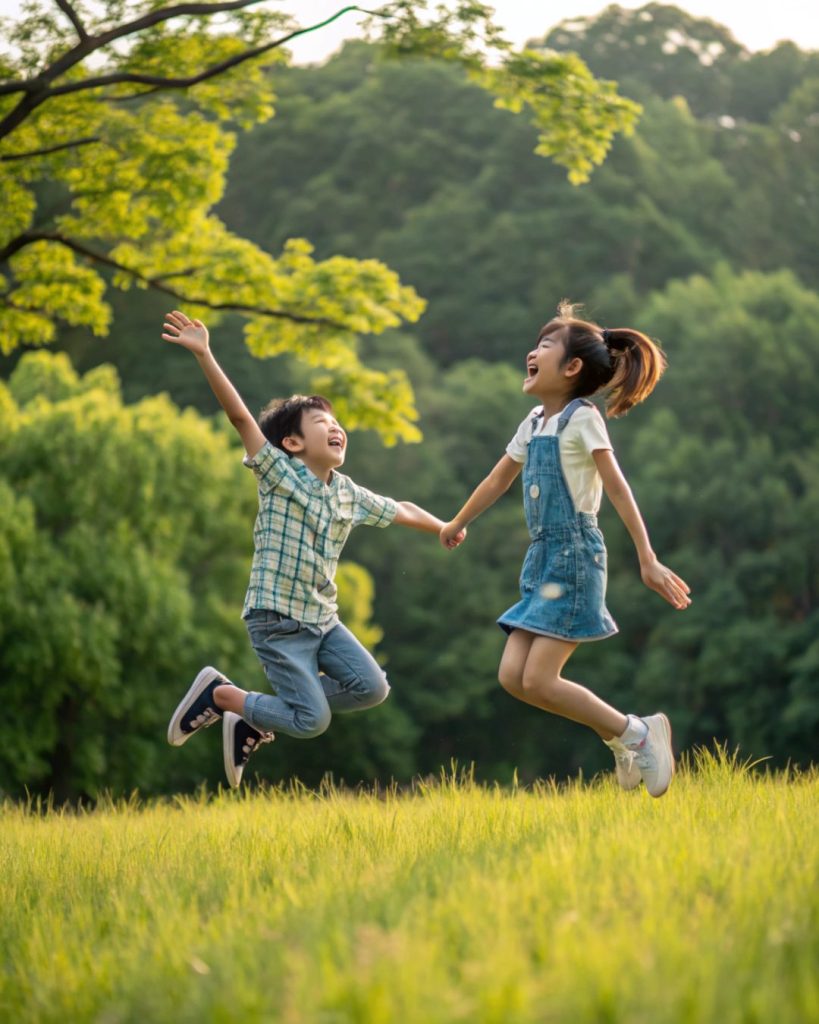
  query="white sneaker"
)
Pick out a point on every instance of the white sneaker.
point(653, 755)
point(626, 771)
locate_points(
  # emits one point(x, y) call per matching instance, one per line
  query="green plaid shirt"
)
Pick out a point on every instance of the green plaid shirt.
point(301, 527)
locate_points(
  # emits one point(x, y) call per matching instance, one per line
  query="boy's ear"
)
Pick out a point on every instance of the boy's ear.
point(293, 443)
point(573, 367)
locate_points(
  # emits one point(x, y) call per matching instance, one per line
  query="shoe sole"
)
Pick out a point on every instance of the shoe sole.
point(666, 727)
point(234, 774)
point(175, 735)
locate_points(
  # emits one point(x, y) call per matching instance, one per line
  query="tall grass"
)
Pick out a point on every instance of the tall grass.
point(453, 902)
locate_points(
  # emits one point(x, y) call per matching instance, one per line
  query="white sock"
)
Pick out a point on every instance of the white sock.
point(635, 732)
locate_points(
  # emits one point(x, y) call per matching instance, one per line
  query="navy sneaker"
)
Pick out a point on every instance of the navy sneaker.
point(197, 709)
point(239, 741)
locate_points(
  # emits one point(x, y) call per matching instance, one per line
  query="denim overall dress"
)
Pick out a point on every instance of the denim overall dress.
point(563, 580)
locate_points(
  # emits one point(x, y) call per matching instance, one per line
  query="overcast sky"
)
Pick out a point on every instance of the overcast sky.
point(756, 25)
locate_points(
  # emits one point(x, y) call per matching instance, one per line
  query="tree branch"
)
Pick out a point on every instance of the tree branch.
point(38, 89)
point(217, 69)
point(25, 309)
point(90, 44)
point(157, 283)
point(49, 149)
point(73, 17)
point(159, 83)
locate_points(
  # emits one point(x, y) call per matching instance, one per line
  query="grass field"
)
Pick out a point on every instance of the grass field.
point(452, 902)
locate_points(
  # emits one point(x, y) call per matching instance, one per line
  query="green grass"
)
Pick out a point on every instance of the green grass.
point(453, 902)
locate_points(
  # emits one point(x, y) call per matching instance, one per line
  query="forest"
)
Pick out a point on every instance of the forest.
point(126, 516)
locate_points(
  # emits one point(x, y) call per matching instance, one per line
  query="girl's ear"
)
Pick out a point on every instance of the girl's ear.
point(573, 367)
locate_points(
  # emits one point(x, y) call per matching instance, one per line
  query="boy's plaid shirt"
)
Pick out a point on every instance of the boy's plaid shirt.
point(301, 527)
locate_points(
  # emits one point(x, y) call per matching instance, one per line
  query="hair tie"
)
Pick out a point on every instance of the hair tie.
point(605, 333)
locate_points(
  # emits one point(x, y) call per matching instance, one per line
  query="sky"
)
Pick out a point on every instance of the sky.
point(756, 25)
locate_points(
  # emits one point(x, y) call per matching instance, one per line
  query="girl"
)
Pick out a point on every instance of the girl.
point(567, 460)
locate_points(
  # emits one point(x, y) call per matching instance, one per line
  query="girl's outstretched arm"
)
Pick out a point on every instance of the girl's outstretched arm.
point(485, 494)
point(655, 575)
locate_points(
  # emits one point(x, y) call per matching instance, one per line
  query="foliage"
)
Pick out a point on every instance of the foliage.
point(124, 552)
point(733, 494)
point(116, 127)
point(683, 232)
point(410, 163)
point(674, 53)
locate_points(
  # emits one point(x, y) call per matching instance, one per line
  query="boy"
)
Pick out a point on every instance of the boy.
point(306, 512)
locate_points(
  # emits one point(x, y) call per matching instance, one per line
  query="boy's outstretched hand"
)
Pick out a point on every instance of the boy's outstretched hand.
point(190, 334)
point(452, 534)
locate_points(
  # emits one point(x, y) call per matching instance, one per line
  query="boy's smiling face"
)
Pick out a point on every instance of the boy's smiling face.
point(322, 444)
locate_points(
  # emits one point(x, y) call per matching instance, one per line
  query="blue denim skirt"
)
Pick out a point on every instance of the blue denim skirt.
point(563, 585)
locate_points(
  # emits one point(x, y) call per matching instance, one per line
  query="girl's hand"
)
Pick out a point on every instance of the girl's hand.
point(667, 584)
point(452, 535)
point(190, 334)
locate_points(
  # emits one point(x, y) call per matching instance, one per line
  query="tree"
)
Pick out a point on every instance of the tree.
point(116, 127)
point(110, 513)
point(124, 553)
point(725, 467)
point(658, 46)
point(724, 463)
point(409, 162)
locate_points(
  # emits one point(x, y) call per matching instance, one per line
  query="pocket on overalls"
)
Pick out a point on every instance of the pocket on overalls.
point(596, 547)
point(533, 565)
point(597, 572)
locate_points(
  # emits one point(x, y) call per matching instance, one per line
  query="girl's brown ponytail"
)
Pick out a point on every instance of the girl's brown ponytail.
point(637, 363)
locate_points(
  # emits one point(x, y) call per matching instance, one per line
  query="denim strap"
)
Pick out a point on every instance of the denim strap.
point(569, 411)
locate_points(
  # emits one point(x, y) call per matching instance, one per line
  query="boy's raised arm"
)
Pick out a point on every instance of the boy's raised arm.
point(193, 335)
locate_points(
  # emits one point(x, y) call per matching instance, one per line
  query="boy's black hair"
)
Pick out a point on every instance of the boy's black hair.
point(281, 417)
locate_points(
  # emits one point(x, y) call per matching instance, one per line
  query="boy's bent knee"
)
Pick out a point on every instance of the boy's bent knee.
point(313, 724)
point(379, 690)
point(370, 690)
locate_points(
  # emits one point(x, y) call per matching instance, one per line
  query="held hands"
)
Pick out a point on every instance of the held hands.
point(667, 584)
point(190, 334)
point(452, 534)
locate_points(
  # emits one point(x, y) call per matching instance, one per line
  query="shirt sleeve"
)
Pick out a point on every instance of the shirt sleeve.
point(590, 430)
point(270, 466)
point(371, 509)
point(516, 449)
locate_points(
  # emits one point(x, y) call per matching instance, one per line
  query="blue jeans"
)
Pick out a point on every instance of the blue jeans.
point(312, 675)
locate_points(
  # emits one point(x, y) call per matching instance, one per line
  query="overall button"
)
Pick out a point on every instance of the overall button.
point(534, 491)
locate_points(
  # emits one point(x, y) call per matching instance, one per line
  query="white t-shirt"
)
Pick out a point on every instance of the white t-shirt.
point(583, 434)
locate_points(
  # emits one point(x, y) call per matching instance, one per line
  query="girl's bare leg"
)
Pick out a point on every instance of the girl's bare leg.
point(530, 670)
